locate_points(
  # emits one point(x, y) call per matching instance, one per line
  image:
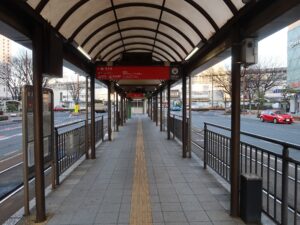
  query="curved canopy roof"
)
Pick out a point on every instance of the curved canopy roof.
point(169, 29)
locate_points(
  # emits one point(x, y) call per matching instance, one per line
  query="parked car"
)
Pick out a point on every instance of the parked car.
point(276, 117)
point(175, 108)
point(59, 108)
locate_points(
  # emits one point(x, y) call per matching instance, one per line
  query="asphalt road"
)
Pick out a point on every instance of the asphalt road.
point(251, 124)
point(11, 132)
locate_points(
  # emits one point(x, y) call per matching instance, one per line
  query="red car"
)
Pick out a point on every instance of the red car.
point(59, 108)
point(276, 117)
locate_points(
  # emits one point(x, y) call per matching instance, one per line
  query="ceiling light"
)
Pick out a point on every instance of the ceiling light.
point(192, 53)
point(83, 52)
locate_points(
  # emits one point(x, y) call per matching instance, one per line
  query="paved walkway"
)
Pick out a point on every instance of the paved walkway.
point(118, 188)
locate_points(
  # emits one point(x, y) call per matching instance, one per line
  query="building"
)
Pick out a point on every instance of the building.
point(293, 70)
point(5, 57)
point(64, 91)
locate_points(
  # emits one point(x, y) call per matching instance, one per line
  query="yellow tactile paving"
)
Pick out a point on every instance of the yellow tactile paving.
point(140, 213)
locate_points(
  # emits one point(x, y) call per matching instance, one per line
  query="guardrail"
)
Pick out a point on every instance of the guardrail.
point(279, 171)
point(176, 126)
point(70, 143)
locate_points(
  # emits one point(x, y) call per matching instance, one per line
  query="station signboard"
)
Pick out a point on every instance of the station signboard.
point(135, 95)
point(133, 72)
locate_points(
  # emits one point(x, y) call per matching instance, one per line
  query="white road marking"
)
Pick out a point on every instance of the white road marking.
point(9, 137)
point(3, 160)
point(10, 128)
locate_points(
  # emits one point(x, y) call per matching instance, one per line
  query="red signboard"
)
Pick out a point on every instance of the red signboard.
point(135, 95)
point(133, 72)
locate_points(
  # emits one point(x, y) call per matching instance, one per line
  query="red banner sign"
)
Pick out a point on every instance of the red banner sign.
point(133, 72)
point(135, 95)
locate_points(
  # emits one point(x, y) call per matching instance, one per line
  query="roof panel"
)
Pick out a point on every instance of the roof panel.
point(217, 9)
point(33, 3)
point(138, 32)
point(105, 42)
point(138, 46)
point(176, 35)
point(88, 9)
point(174, 54)
point(181, 25)
point(108, 49)
point(164, 54)
point(93, 25)
point(55, 10)
point(157, 2)
point(238, 4)
point(139, 23)
point(137, 11)
point(173, 44)
point(100, 35)
point(193, 15)
point(138, 40)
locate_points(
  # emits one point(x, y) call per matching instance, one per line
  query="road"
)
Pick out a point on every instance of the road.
point(282, 132)
point(11, 132)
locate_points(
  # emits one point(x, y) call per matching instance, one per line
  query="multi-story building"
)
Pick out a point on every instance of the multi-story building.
point(5, 57)
point(293, 69)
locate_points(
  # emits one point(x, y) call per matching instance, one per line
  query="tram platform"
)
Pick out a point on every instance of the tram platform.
point(140, 178)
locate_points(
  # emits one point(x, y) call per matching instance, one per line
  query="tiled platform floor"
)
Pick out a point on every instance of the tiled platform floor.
point(99, 191)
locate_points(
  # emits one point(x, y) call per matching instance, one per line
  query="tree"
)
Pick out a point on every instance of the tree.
point(17, 73)
point(286, 93)
point(74, 88)
point(262, 77)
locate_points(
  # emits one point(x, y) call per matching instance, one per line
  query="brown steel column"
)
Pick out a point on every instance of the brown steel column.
point(151, 115)
point(156, 109)
point(109, 111)
point(169, 111)
point(118, 113)
point(125, 109)
point(235, 124)
point(37, 49)
point(92, 86)
point(114, 121)
point(87, 147)
point(190, 118)
point(161, 116)
point(184, 134)
point(121, 111)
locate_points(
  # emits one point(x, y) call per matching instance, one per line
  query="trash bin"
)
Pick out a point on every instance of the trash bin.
point(251, 198)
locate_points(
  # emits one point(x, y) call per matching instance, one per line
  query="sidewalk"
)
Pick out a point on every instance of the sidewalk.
point(107, 190)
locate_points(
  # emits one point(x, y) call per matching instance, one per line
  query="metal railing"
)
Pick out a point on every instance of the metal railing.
point(70, 143)
point(176, 126)
point(277, 167)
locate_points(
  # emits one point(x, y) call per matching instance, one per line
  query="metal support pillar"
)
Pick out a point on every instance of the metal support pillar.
point(156, 109)
point(109, 112)
point(190, 118)
point(125, 110)
point(235, 124)
point(151, 111)
point(184, 134)
point(118, 113)
point(87, 147)
point(38, 124)
point(93, 150)
point(169, 111)
point(114, 121)
point(121, 111)
point(161, 113)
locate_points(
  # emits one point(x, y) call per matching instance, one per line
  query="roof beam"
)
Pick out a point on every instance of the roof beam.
point(137, 29)
point(140, 36)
